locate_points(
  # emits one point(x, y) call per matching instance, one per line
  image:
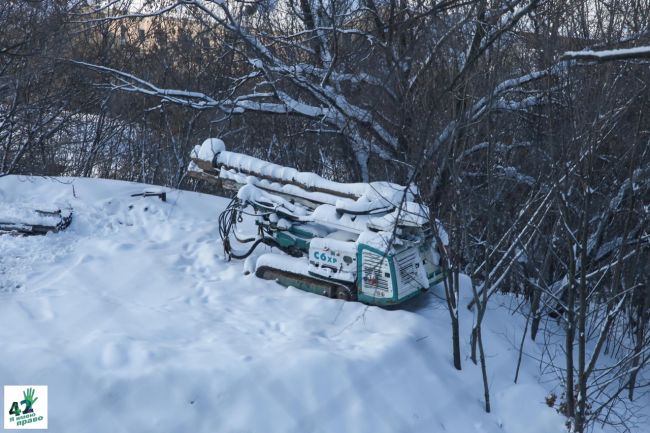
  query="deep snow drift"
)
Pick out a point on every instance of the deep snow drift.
point(136, 323)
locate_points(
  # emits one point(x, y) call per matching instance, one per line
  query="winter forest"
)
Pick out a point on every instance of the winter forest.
point(525, 125)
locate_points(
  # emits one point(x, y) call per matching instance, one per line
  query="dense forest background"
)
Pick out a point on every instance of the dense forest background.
point(525, 124)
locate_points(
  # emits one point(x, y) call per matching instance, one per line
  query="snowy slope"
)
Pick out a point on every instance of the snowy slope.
point(136, 323)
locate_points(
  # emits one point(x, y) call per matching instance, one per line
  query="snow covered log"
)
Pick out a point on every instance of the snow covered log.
point(210, 161)
point(27, 221)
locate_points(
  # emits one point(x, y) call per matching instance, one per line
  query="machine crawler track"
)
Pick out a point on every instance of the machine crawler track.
point(311, 284)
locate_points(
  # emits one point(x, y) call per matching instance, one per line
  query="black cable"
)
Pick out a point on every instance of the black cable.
point(228, 220)
point(267, 241)
point(243, 241)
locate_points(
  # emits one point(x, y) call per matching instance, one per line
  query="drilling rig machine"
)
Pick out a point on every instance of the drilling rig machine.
point(371, 242)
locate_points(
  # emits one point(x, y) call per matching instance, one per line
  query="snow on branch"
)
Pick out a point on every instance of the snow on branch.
point(505, 24)
point(337, 105)
point(495, 101)
point(143, 13)
point(608, 55)
point(335, 111)
point(131, 83)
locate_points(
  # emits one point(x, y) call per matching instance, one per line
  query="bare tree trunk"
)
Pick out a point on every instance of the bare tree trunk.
point(582, 318)
point(570, 335)
point(521, 345)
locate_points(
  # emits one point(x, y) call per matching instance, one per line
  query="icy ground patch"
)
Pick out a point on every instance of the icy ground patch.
point(137, 324)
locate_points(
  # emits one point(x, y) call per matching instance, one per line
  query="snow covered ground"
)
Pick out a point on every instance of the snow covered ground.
point(136, 323)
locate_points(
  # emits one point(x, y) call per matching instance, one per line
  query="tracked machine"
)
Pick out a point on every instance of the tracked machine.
point(371, 242)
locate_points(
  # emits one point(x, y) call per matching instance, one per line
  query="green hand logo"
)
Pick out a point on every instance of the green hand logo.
point(29, 400)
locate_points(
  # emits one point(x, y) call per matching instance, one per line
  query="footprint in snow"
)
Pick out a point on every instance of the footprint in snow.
point(114, 355)
point(38, 309)
point(125, 247)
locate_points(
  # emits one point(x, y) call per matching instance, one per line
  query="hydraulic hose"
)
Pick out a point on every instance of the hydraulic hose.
point(229, 252)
